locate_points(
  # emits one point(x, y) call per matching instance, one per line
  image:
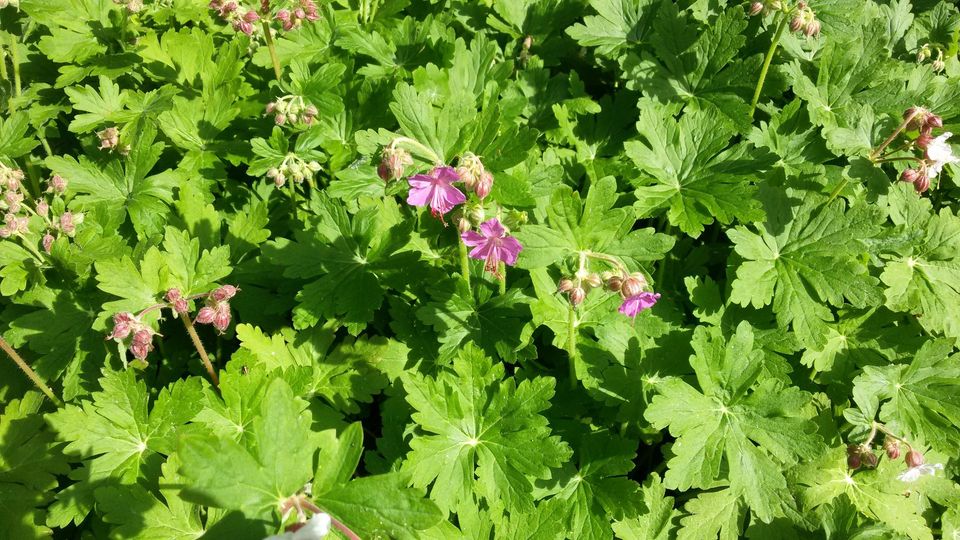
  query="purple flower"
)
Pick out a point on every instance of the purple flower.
point(436, 190)
point(492, 244)
point(633, 305)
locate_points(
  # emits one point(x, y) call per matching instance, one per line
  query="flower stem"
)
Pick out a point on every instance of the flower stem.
point(415, 146)
point(572, 345)
point(273, 50)
point(766, 63)
point(337, 524)
point(464, 264)
point(903, 125)
point(293, 199)
point(30, 373)
point(188, 324)
point(902, 158)
point(14, 59)
point(503, 278)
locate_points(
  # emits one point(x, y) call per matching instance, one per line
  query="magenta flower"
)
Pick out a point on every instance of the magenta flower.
point(436, 190)
point(633, 305)
point(492, 244)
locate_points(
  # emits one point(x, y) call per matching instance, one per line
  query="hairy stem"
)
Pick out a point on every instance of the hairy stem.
point(338, 525)
point(502, 270)
point(766, 63)
point(30, 373)
point(464, 264)
point(188, 324)
point(903, 125)
point(15, 60)
point(417, 146)
point(273, 50)
point(572, 345)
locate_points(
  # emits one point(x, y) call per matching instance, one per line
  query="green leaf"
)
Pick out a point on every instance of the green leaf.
point(920, 400)
point(100, 107)
point(478, 432)
point(736, 425)
point(14, 141)
point(657, 519)
point(617, 25)
point(696, 67)
point(690, 168)
point(592, 224)
point(274, 464)
point(381, 506)
point(806, 256)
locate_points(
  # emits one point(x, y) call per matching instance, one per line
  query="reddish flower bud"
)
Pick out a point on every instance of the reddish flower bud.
point(224, 292)
point(812, 29)
point(633, 285)
point(484, 184)
point(870, 460)
point(909, 176)
point(923, 140)
point(892, 448)
point(755, 9)
point(393, 163)
point(251, 16)
point(614, 283)
point(565, 285)
point(176, 299)
point(47, 242)
point(922, 183)
point(67, 224)
point(913, 459)
point(144, 336)
point(122, 325)
point(854, 461)
point(577, 296)
point(283, 15)
point(934, 121)
point(205, 315)
point(221, 317)
point(796, 23)
point(593, 281)
point(43, 208)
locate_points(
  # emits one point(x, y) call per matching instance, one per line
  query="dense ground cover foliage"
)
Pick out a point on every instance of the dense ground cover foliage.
point(510, 268)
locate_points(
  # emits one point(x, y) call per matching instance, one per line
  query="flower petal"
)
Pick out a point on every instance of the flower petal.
point(509, 249)
point(420, 196)
point(484, 251)
point(492, 228)
point(472, 238)
point(445, 175)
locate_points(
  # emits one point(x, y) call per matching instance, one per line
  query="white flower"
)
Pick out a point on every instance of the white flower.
point(940, 153)
point(914, 473)
point(314, 529)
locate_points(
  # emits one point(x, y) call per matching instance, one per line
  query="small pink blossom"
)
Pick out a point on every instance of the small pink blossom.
point(492, 244)
point(436, 190)
point(633, 305)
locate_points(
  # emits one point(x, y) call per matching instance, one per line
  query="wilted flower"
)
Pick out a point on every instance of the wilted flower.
point(633, 305)
point(939, 153)
point(436, 190)
point(492, 245)
point(914, 473)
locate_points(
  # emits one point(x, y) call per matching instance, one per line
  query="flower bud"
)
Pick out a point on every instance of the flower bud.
point(221, 317)
point(271, 107)
point(223, 293)
point(67, 224)
point(913, 458)
point(870, 460)
point(796, 23)
point(577, 296)
point(614, 283)
point(922, 183)
point(938, 65)
point(565, 285)
point(205, 315)
point(484, 184)
point(47, 242)
point(178, 302)
point(934, 121)
point(923, 53)
point(313, 166)
point(892, 448)
point(463, 224)
point(755, 9)
point(251, 16)
point(280, 119)
point(593, 280)
point(42, 208)
point(909, 176)
point(123, 323)
point(310, 110)
point(923, 140)
point(633, 285)
point(854, 461)
point(143, 336)
point(812, 29)
point(393, 163)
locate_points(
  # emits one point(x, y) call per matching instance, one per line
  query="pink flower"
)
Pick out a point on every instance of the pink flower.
point(633, 305)
point(436, 189)
point(492, 244)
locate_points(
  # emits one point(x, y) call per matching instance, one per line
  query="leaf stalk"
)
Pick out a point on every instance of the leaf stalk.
point(29, 372)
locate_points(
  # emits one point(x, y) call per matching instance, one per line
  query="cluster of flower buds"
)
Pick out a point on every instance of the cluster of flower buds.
point(632, 287)
point(937, 152)
point(475, 176)
point(393, 163)
point(294, 168)
point(110, 141)
point(18, 212)
point(863, 455)
point(291, 109)
point(802, 19)
point(133, 6)
point(242, 19)
point(305, 10)
point(128, 327)
point(926, 52)
point(217, 308)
